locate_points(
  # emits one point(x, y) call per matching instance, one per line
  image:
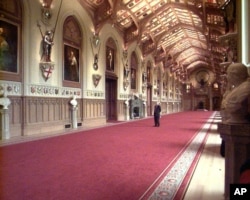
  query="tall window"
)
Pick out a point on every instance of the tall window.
point(133, 74)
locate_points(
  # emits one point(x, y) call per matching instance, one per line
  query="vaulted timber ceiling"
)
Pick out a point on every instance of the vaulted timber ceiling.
point(183, 34)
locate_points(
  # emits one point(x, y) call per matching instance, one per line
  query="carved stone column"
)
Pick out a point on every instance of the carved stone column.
point(237, 151)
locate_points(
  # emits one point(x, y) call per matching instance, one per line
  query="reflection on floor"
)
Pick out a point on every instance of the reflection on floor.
point(208, 180)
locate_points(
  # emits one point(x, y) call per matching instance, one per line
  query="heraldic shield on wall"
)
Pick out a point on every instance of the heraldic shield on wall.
point(46, 65)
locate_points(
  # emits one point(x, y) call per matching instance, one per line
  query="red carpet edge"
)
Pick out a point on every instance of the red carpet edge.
point(173, 182)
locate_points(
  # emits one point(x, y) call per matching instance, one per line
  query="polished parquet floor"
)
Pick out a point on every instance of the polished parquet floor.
point(207, 181)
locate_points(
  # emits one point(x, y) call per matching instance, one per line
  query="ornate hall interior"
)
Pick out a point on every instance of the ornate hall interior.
point(128, 55)
point(70, 65)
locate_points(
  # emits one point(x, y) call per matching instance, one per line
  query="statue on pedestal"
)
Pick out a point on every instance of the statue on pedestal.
point(4, 115)
point(4, 100)
point(73, 103)
point(235, 100)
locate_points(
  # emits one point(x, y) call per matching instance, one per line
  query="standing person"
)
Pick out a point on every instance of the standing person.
point(157, 114)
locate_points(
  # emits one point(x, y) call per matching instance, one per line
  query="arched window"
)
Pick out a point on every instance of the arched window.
point(72, 38)
point(133, 74)
point(10, 40)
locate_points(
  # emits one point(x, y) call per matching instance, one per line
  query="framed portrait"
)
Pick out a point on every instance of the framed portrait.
point(9, 50)
point(71, 65)
point(110, 58)
point(133, 78)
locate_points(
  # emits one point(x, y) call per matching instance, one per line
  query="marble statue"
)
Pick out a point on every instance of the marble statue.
point(235, 100)
point(4, 100)
point(73, 102)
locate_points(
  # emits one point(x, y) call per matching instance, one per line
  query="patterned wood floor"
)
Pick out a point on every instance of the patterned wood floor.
point(208, 180)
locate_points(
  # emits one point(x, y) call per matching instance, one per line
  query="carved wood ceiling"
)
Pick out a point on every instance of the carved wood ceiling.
point(183, 34)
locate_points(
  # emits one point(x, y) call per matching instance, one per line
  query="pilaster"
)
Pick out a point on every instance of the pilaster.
point(237, 151)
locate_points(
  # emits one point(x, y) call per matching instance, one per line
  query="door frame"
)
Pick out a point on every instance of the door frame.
point(110, 77)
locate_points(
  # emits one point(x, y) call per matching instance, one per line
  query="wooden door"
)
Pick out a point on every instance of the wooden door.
point(111, 95)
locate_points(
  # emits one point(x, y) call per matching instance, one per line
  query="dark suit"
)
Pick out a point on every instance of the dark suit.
point(157, 113)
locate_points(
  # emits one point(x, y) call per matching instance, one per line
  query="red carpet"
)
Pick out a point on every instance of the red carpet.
point(116, 162)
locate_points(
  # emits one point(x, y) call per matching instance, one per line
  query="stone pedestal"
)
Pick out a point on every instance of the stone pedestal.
point(126, 106)
point(74, 117)
point(74, 103)
point(4, 124)
point(4, 117)
point(145, 109)
point(237, 151)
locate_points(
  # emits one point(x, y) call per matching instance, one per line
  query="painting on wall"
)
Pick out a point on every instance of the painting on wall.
point(133, 78)
point(71, 63)
point(8, 47)
point(110, 57)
